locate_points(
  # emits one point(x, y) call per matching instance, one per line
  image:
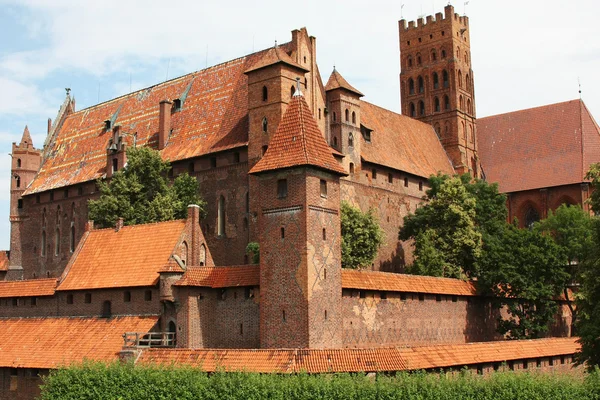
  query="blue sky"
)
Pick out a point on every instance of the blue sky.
point(524, 53)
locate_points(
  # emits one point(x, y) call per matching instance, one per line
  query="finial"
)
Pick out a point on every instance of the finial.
point(401, 7)
point(68, 90)
point(275, 43)
point(579, 83)
point(465, 7)
point(298, 92)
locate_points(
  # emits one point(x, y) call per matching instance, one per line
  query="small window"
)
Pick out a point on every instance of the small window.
point(421, 297)
point(65, 193)
point(191, 167)
point(127, 296)
point(445, 80)
point(362, 294)
point(115, 165)
point(283, 315)
point(334, 116)
point(335, 142)
point(107, 124)
point(413, 110)
point(421, 84)
point(403, 296)
point(351, 168)
point(18, 181)
point(265, 125)
point(264, 149)
point(292, 91)
point(213, 162)
point(324, 234)
point(43, 246)
point(374, 173)
point(221, 216)
point(106, 309)
point(350, 139)
point(72, 239)
point(325, 314)
point(347, 113)
point(390, 178)
point(18, 163)
point(236, 157)
point(405, 182)
point(148, 295)
point(436, 81)
point(265, 93)
point(409, 59)
point(454, 299)
point(69, 298)
point(319, 113)
point(436, 104)
point(421, 186)
point(51, 196)
point(15, 302)
point(323, 186)
point(241, 328)
point(37, 198)
point(282, 189)
point(421, 108)
point(57, 242)
point(411, 86)
point(20, 203)
point(383, 295)
point(282, 231)
point(88, 298)
point(446, 103)
point(353, 117)
point(33, 301)
point(438, 297)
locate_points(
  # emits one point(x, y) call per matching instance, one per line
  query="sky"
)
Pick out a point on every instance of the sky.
point(524, 53)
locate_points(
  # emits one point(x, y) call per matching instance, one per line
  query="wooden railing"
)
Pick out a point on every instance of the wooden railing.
point(149, 339)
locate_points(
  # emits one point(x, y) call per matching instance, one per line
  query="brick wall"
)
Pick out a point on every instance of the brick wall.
point(20, 383)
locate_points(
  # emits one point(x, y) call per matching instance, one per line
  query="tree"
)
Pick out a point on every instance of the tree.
point(253, 250)
point(361, 237)
point(524, 271)
point(572, 230)
point(140, 192)
point(448, 230)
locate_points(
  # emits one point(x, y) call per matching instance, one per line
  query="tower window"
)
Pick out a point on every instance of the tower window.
point(88, 298)
point(20, 203)
point(221, 217)
point(390, 178)
point(265, 125)
point(459, 79)
point(351, 168)
point(319, 113)
point(72, 238)
point(282, 188)
point(18, 181)
point(469, 109)
point(350, 139)
point(467, 83)
point(335, 142)
point(265, 93)
point(282, 232)
point(18, 163)
point(446, 103)
point(409, 60)
point(57, 242)
point(324, 234)
point(421, 85)
point(323, 186)
point(433, 55)
point(115, 165)
point(418, 59)
point(353, 117)
point(43, 246)
point(436, 103)
point(347, 114)
point(436, 81)
point(443, 52)
point(421, 186)
point(412, 112)
point(374, 173)
point(405, 182)
point(421, 108)
point(411, 86)
point(445, 79)
point(462, 103)
point(334, 116)
point(292, 91)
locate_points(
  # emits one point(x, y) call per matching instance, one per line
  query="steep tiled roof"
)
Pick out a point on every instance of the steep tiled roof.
point(402, 143)
point(369, 280)
point(221, 277)
point(133, 256)
point(273, 56)
point(336, 81)
point(26, 138)
point(360, 360)
point(487, 352)
point(539, 147)
point(213, 117)
point(298, 142)
point(55, 342)
point(26, 288)
point(3, 260)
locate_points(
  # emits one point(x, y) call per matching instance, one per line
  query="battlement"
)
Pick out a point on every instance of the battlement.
point(449, 17)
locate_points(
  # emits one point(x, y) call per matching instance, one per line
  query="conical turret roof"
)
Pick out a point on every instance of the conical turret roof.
point(337, 81)
point(26, 138)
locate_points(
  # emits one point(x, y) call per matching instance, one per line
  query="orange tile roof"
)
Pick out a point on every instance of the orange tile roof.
point(539, 147)
point(402, 143)
point(298, 142)
point(214, 117)
point(26, 288)
point(360, 360)
point(272, 56)
point(370, 280)
point(133, 256)
point(3, 260)
point(438, 356)
point(221, 277)
point(54, 342)
point(280, 360)
point(336, 81)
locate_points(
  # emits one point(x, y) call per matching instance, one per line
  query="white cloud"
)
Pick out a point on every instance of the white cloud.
point(22, 99)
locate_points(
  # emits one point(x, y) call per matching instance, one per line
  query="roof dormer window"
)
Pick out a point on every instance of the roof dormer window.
point(107, 125)
point(176, 105)
point(366, 133)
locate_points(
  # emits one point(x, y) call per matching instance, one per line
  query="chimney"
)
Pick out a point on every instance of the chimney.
point(89, 226)
point(164, 122)
point(119, 225)
point(49, 124)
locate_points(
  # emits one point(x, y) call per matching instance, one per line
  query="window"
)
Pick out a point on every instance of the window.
point(283, 315)
point(436, 81)
point(443, 52)
point(421, 108)
point(69, 298)
point(88, 298)
point(461, 103)
point(72, 238)
point(51, 196)
point(282, 231)
point(459, 78)
point(319, 113)
point(65, 193)
point(353, 117)
point(20, 203)
point(421, 186)
point(37, 198)
point(202, 254)
point(531, 216)
point(350, 139)
point(221, 217)
point(323, 187)
point(18, 163)
point(436, 105)
point(411, 86)
point(334, 116)
point(213, 162)
point(412, 112)
point(148, 295)
point(236, 157)
point(191, 167)
point(106, 309)
point(282, 188)
point(446, 103)
point(33, 301)
point(390, 178)
point(347, 114)
point(454, 299)
point(265, 125)
point(15, 302)
point(421, 297)
point(421, 84)
point(126, 296)
point(418, 59)
point(409, 61)
point(374, 173)
point(351, 168)
point(264, 149)
point(467, 83)
point(469, 110)
point(405, 182)
point(445, 79)
point(115, 165)
point(335, 142)
point(176, 105)
point(265, 93)
point(438, 297)
point(57, 242)
point(292, 91)
point(18, 181)
point(324, 234)
point(433, 55)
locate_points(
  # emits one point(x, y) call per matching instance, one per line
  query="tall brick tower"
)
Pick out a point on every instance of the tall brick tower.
point(436, 83)
point(300, 243)
point(25, 164)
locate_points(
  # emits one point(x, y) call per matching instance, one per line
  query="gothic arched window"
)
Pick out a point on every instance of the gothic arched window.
point(411, 86)
point(421, 108)
point(412, 111)
point(436, 81)
point(221, 217)
point(446, 103)
point(531, 217)
point(265, 93)
point(265, 125)
point(436, 104)
point(445, 79)
point(421, 84)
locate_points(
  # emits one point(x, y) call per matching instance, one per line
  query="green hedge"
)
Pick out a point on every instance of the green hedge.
point(123, 381)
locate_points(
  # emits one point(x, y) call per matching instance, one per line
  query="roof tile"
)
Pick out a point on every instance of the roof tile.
point(26, 288)
point(221, 277)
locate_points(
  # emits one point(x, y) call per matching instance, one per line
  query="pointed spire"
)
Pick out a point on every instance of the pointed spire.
point(298, 142)
point(26, 138)
point(337, 81)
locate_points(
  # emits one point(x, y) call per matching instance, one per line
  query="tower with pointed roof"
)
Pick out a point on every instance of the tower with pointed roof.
point(436, 83)
point(343, 109)
point(300, 238)
point(25, 164)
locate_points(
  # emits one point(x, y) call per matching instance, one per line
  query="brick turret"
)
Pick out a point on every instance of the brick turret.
point(436, 83)
point(300, 260)
point(24, 166)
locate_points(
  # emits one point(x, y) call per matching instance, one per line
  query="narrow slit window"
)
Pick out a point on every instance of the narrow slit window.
point(282, 188)
point(323, 186)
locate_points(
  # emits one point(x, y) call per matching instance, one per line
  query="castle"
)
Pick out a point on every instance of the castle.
point(275, 150)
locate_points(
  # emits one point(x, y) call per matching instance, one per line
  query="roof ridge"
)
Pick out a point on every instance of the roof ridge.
point(528, 109)
point(129, 227)
point(363, 271)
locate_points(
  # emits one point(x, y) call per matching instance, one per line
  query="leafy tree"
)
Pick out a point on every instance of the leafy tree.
point(572, 229)
point(253, 250)
point(140, 192)
point(361, 237)
point(448, 230)
point(524, 271)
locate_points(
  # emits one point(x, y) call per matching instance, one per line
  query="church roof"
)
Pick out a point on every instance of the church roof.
point(54, 342)
point(539, 147)
point(298, 142)
point(402, 143)
point(27, 288)
point(213, 117)
point(132, 256)
point(337, 81)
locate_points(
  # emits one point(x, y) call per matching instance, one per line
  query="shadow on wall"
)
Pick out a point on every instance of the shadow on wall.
point(396, 263)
